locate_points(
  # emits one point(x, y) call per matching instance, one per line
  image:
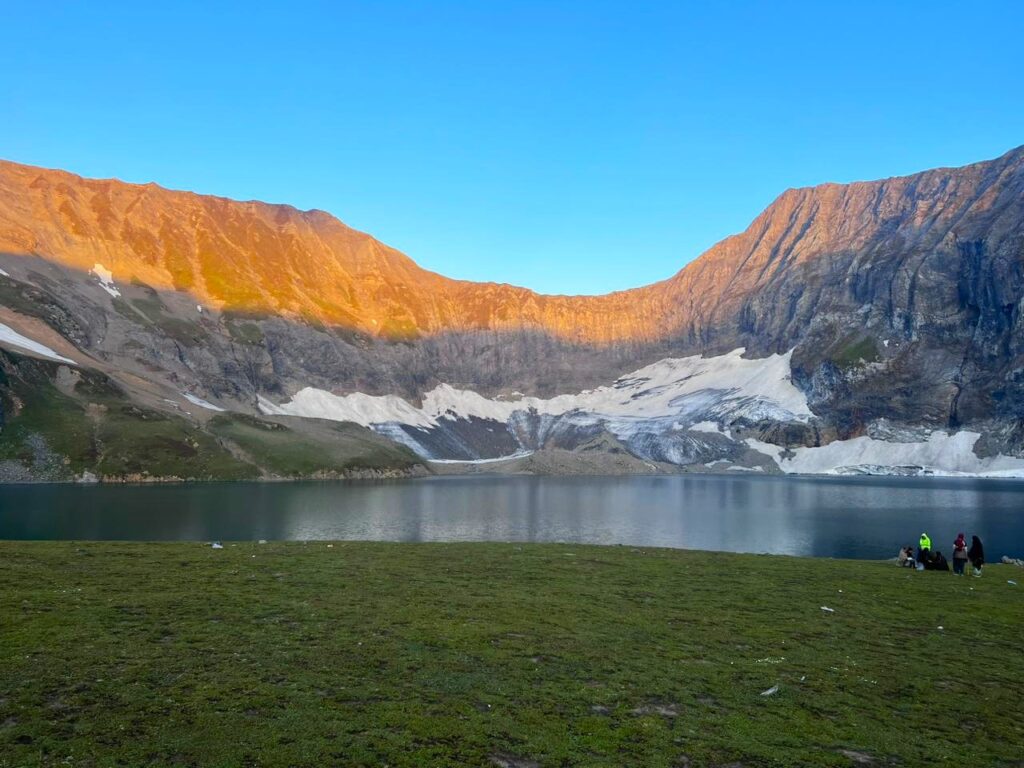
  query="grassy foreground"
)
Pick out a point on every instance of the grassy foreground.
point(499, 655)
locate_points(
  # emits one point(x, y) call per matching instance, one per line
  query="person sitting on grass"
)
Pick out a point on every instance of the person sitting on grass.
point(924, 556)
point(976, 554)
point(905, 559)
point(937, 562)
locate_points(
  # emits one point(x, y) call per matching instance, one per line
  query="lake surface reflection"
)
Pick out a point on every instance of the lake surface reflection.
point(830, 517)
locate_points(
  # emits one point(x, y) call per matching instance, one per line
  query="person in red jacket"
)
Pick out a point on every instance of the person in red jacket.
point(959, 555)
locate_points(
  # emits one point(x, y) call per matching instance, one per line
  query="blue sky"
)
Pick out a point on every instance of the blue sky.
point(571, 147)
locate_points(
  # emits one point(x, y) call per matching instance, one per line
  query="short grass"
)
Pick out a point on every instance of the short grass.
point(94, 426)
point(854, 351)
point(286, 453)
point(101, 431)
point(499, 654)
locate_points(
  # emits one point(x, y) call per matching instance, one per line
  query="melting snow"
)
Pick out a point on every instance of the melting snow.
point(516, 455)
point(940, 454)
point(691, 393)
point(4, 273)
point(11, 337)
point(706, 426)
point(106, 279)
point(200, 402)
point(670, 388)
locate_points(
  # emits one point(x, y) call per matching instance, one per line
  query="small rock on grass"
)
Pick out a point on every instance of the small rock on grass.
point(504, 760)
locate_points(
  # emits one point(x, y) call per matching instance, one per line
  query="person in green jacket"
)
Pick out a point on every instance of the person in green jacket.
point(924, 551)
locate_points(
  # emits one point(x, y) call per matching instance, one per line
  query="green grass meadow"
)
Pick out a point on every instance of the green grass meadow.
point(373, 654)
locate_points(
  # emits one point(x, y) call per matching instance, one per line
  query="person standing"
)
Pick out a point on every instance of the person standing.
point(959, 554)
point(976, 554)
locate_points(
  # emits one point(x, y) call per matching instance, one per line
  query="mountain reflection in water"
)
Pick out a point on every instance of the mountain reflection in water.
point(829, 517)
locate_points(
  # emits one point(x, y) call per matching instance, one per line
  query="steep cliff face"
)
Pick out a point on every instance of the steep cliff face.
point(902, 302)
point(902, 246)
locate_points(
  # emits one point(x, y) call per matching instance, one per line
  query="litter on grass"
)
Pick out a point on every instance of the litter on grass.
point(217, 545)
point(829, 610)
point(771, 691)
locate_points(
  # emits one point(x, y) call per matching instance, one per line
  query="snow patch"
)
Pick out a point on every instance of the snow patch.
point(705, 426)
point(12, 338)
point(727, 385)
point(516, 455)
point(3, 272)
point(200, 402)
point(106, 279)
point(941, 454)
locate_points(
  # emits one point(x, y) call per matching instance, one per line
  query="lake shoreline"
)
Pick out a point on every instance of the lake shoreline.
point(430, 470)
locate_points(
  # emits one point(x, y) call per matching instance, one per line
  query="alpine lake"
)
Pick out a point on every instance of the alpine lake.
point(841, 517)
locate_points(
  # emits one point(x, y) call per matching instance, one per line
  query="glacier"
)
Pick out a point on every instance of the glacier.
point(680, 411)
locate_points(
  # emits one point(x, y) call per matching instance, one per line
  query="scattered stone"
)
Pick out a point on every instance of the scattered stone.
point(503, 760)
point(665, 710)
point(860, 758)
point(598, 709)
point(1012, 561)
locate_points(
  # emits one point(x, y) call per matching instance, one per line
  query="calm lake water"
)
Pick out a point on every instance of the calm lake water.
point(828, 517)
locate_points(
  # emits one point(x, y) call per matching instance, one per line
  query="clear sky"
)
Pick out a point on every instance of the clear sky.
point(571, 147)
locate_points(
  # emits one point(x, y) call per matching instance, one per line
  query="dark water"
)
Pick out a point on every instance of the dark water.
point(832, 517)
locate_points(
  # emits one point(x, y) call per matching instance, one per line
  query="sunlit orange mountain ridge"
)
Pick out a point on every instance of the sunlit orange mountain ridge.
point(275, 259)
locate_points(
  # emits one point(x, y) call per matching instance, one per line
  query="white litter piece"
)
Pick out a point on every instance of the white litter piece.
point(262, 541)
point(217, 545)
point(827, 609)
point(1011, 581)
point(771, 691)
point(940, 627)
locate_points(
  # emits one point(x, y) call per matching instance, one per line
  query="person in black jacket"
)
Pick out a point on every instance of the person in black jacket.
point(976, 554)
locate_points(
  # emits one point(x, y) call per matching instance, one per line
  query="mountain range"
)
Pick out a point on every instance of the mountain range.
point(153, 334)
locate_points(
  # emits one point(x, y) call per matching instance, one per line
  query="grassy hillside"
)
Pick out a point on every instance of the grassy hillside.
point(57, 424)
point(499, 655)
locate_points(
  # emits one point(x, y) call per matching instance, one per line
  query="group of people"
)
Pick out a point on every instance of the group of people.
point(928, 559)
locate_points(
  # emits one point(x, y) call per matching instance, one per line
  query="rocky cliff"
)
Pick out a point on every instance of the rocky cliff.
point(901, 301)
